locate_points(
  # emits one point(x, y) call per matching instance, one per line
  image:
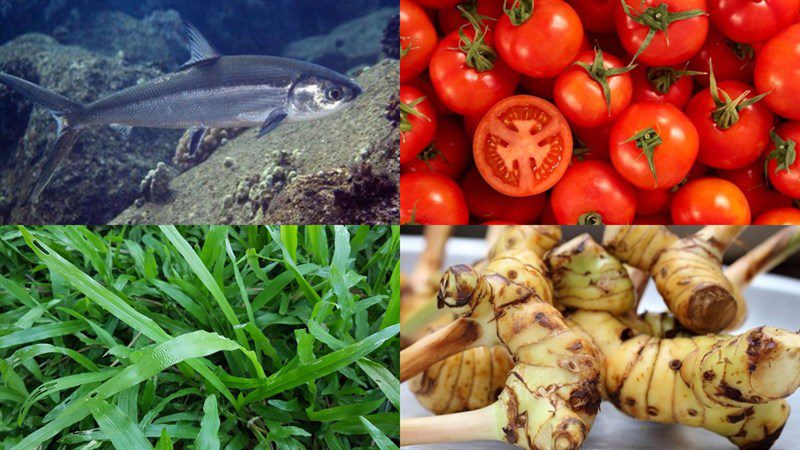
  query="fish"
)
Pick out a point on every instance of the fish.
point(209, 90)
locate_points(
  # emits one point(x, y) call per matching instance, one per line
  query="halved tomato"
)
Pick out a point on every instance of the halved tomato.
point(522, 146)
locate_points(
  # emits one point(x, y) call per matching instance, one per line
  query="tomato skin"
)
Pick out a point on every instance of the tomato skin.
point(596, 16)
point(471, 124)
point(422, 128)
point(653, 219)
point(540, 152)
point(424, 85)
point(778, 69)
point(593, 187)
point(431, 199)
point(752, 21)
point(552, 21)
point(436, 4)
point(454, 149)
point(580, 98)
point(595, 141)
point(678, 94)
point(727, 65)
point(743, 142)
point(450, 19)
point(752, 182)
point(463, 89)
point(418, 33)
point(487, 204)
point(780, 216)
point(787, 181)
point(673, 158)
point(685, 36)
point(650, 202)
point(540, 87)
point(710, 201)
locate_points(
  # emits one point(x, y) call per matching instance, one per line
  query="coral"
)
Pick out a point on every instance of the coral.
point(391, 38)
point(155, 186)
point(214, 138)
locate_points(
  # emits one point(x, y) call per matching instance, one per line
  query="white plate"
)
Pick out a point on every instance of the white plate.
point(773, 300)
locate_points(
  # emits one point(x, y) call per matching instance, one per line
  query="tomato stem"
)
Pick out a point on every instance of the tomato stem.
point(519, 12)
point(590, 218)
point(785, 152)
point(431, 152)
point(405, 50)
point(480, 56)
point(600, 74)
point(726, 113)
point(657, 19)
point(410, 109)
point(741, 51)
point(647, 140)
point(662, 78)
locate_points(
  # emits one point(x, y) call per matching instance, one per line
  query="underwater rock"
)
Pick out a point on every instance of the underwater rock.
point(155, 186)
point(351, 44)
point(323, 154)
point(391, 38)
point(214, 138)
point(101, 176)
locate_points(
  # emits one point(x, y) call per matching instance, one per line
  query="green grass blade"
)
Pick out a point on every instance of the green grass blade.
point(208, 439)
point(120, 429)
point(41, 332)
point(380, 439)
point(164, 442)
point(388, 382)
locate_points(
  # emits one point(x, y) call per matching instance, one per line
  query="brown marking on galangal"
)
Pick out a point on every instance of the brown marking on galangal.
point(586, 397)
point(759, 348)
point(675, 364)
point(765, 443)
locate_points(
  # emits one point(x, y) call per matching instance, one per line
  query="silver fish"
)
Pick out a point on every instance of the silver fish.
point(210, 90)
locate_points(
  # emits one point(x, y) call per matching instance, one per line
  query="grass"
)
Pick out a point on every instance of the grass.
point(199, 337)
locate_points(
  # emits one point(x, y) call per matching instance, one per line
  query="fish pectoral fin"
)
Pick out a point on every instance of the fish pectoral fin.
point(123, 130)
point(64, 143)
point(197, 140)
point(201, 50)
point(273, 120)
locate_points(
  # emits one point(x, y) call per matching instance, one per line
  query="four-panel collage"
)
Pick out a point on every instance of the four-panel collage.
point(375, 224)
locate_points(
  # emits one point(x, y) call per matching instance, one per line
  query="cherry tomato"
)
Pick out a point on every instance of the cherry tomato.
point(662, 84)
point(548, 216)
point(540, 87)
point(783, 161)
point(743, 141)
point(449, 154)
point(753, 183)
point(593, 143)
point(591, 192)
point(430, 198)
point(650, 202)
point(752, 21)
point(596, 16)
point(522, 146)
point(686, 36)
point(451, 19)
point(579, 94)
point(487, 204)
point(710, 201)
point(463, 88)
point(777, 72)
point(417, 40)
point(653, 145)
point(424, 85)
point(653, 219)
point(471, 124)
point(731, 60)
point(522, 44)
point(417, 127)
point(436, 4)
point(781, 216)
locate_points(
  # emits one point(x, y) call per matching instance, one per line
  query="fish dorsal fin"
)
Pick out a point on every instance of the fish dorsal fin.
point(201, 49)
point(123, 130)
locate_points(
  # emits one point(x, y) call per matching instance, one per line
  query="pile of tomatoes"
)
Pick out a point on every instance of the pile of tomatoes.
point(600, 111)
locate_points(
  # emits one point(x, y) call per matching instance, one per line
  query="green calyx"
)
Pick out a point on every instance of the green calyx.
point(590, 218)
point(430, 153)
point(662, 78)
point(647, 140)
point(480, 55)
point(407, 49)
point(741, 51)
point(600, 74)
point(657, 19)
point(726, 111)
point(785, 153)
point(519, 12)
point(410, 109)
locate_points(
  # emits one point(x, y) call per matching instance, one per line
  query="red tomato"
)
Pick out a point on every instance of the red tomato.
point(451, 19)
point(594, 143)
point(522, 44)
point(731, 60)
point(579, 94)
point(752, 21)
point(522, 146)
point(463, 88)
point(449, 154)
point(777, 72)
point(596, 16)
point(710, 201)
point(548, 216)
point(416, 128)
point(650, 202)
point(781, 216)
point(540, 87)
point(727, 143)
point(471, 124)
point(487, 204)
point(438, 3)
point(430, 198)
point(686, 36)
point(591, 193)
point(653, 145)
point(424, 85)
point(417, 40)
point(783, 163)
point(662, 84)
point(752, 181)
point(653, 219)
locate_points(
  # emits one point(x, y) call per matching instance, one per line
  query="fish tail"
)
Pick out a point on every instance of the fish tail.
point(63, 111)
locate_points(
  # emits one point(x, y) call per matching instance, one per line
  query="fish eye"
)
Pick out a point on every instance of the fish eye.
point(333, 94)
